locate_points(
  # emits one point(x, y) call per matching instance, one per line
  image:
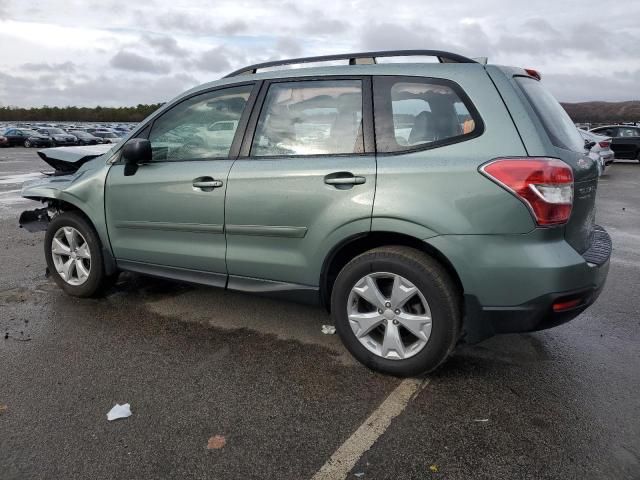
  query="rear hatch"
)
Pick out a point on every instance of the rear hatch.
point(568, 145)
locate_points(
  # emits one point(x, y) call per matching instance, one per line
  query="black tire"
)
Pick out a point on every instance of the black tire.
point(27, 144)
point(97, 281)
point(435, 284)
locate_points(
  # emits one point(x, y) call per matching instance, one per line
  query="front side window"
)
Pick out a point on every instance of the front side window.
point(419, 112)
point(184, 132)
point(310, 118)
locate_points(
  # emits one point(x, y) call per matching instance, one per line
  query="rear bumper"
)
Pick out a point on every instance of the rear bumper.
point(546, 285)
point(537, 314)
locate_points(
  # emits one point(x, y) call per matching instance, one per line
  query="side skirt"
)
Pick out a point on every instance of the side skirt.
point(292, 292)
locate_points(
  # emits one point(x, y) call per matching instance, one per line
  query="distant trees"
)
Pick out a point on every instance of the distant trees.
point(597, 112)
point(78, 114)
point(604, 112)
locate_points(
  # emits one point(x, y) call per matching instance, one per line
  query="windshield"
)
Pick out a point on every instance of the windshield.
point(56, 131)
point(559, 126)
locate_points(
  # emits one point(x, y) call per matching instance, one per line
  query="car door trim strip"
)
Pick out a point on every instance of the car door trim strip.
point(172, 226)
point(267, 231)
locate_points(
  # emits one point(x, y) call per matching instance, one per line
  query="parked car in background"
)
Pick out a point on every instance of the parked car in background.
point(58, 136)
point(27, 138)
point(625, 140)
point(107, 137)
point(318, 196)
point(85, 138)
point(600, 149)
point(4, 141)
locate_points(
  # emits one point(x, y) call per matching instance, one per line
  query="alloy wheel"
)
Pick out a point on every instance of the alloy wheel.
point(389, 315)
point(71, 255)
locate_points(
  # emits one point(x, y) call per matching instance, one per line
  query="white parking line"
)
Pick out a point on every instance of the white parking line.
point(348, 454)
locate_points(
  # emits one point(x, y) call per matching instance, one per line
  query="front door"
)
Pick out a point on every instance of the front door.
point(170, 213)
point(304, 181)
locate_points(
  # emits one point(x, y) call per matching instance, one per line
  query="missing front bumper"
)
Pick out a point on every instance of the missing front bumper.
point(35, 220)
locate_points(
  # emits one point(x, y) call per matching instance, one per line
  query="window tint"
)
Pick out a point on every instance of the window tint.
point(412, 113)
point(183, 132)
point(559, 126)
point(310, 118)
point(628, 132)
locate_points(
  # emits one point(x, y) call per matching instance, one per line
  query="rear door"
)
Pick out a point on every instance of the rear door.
point(170, 213)
point(304, 182)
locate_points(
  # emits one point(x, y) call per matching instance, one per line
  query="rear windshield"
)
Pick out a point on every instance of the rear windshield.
point(556, 121)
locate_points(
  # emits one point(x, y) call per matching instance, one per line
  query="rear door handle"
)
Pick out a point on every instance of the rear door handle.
point(349, 179)
point(206, 184)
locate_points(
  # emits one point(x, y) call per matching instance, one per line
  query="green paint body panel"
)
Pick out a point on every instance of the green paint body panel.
point(156, 216)
point(275, 219)
point(291, 192)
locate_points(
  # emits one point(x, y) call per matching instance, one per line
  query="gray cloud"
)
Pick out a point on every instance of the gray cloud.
point(165, 44)
point(136, 63)
point(234, 27)
point(49, 67)
point(289, 46)
point(214, 60)
point(106, 90)
point(154, 41)
point(389, 36)
point(318, 23)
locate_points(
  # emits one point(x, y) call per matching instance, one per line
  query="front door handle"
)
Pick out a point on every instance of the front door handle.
point(206, 184)
point(344, 179)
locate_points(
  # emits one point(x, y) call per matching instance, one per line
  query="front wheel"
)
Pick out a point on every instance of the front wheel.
point(27, 144)
point(74, 255)
point(397, 310)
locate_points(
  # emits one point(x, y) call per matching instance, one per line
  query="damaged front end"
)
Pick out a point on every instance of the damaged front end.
point(76, 183)
point(68, 160)
point(35, 220)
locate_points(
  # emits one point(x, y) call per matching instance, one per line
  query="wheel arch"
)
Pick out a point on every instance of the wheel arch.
point(68, 205)
point(353, 246)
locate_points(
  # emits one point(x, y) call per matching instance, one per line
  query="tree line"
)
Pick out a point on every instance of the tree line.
point(579, 112)
point(78, 114)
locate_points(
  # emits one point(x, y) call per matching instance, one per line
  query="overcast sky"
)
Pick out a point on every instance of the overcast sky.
point(124, 52)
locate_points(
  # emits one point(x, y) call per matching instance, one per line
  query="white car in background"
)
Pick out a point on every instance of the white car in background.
point(600, 151)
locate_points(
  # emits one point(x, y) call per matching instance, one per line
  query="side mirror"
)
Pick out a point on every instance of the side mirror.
point(135, 152)
point(588, 144)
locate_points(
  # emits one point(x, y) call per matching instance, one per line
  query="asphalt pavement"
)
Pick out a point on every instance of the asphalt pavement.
point(196, 362)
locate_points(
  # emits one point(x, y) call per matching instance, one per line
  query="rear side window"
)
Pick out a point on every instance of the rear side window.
point(414, 113)
point(628, 132)
point(314, 117)
point(557, 123)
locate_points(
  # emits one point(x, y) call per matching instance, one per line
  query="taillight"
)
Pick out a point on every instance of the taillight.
point(545, 185)
point(604, 144)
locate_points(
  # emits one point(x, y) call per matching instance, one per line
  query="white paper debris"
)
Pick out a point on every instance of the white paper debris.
point(328, 329)
point(480, 419)
point(119, 411)
point(359, 474)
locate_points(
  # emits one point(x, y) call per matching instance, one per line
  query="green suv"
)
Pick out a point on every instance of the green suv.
point(422, 204)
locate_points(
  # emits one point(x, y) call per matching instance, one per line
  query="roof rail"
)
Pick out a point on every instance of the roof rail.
point(362, 58)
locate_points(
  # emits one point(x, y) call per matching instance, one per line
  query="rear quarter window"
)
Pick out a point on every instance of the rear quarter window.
point(556, 121)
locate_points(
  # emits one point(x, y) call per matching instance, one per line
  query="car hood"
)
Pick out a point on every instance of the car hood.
point(70, 159)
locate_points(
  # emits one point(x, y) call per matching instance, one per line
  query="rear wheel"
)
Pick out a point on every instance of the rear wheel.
point(74, 256)
point(397, 310)
point(27, 144)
